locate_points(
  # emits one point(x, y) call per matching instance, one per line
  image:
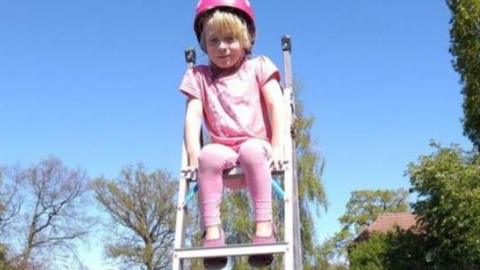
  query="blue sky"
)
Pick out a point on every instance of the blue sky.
point(95, 84)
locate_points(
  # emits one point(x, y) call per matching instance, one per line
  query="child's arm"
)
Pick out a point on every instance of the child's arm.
point(193, 123)
point(274, 101)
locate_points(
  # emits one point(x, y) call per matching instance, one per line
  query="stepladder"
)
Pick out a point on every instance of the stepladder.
point(288, 246)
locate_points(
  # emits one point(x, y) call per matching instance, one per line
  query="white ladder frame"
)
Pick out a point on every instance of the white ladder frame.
point(291, 248)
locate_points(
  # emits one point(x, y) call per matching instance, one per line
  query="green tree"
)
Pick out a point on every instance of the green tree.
point(363, 208)
point(325, 257)
point(369, 255)
point(142, 208)
point(465, 47)
point(312, 196)
point(448, 186)
point(396, 250)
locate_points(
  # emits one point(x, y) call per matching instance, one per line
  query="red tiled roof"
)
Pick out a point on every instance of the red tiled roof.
point(388, 222)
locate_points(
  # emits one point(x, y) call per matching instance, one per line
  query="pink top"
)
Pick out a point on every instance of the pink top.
point(233, 106)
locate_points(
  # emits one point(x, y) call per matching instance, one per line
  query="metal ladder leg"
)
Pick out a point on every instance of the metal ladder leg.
point(190, 58)
point(181, 212)
point(293, 256)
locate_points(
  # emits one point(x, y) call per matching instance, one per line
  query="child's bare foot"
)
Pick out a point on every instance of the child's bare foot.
point(264, 229)
point(265, 234)
point(213, 232)
point(214, 237)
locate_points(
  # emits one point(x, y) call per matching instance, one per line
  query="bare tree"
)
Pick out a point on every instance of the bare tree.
point(52, 218)
point(9, 203)
point(142, 208)
point(9, 209)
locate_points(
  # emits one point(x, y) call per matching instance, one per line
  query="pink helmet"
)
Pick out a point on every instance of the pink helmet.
point(241, 7)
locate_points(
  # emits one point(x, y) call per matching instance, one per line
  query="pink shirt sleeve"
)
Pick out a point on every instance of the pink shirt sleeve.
point(189, 85)
point(266, 70)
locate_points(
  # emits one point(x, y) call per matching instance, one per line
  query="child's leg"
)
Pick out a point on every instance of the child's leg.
point(254, 156)
point(212, 161)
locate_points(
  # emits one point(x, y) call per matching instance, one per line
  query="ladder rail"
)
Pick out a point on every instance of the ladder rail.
point(177, 264)
point(181, 213)
point(292, 212)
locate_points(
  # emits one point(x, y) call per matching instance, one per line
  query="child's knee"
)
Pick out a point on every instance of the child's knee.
point(254, 151)
point(209, 157)
point(213, 157)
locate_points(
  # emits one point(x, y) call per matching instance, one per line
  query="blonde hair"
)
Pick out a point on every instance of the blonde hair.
point(226, 23)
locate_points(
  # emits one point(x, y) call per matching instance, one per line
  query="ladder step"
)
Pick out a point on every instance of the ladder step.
point(231, 173)
point(231, 250)
point(238, 171)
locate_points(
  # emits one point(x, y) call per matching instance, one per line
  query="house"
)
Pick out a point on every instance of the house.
point(388, 222)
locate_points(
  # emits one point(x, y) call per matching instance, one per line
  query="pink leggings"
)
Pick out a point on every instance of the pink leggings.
point(253, 156)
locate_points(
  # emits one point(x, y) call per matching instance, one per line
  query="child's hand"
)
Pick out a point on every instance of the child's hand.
point(190, 172)
point(277, 162)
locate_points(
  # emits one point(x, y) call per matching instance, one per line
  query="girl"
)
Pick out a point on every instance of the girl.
point(240, 100)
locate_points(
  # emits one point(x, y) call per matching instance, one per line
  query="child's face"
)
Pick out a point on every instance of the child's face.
point(223, 50)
